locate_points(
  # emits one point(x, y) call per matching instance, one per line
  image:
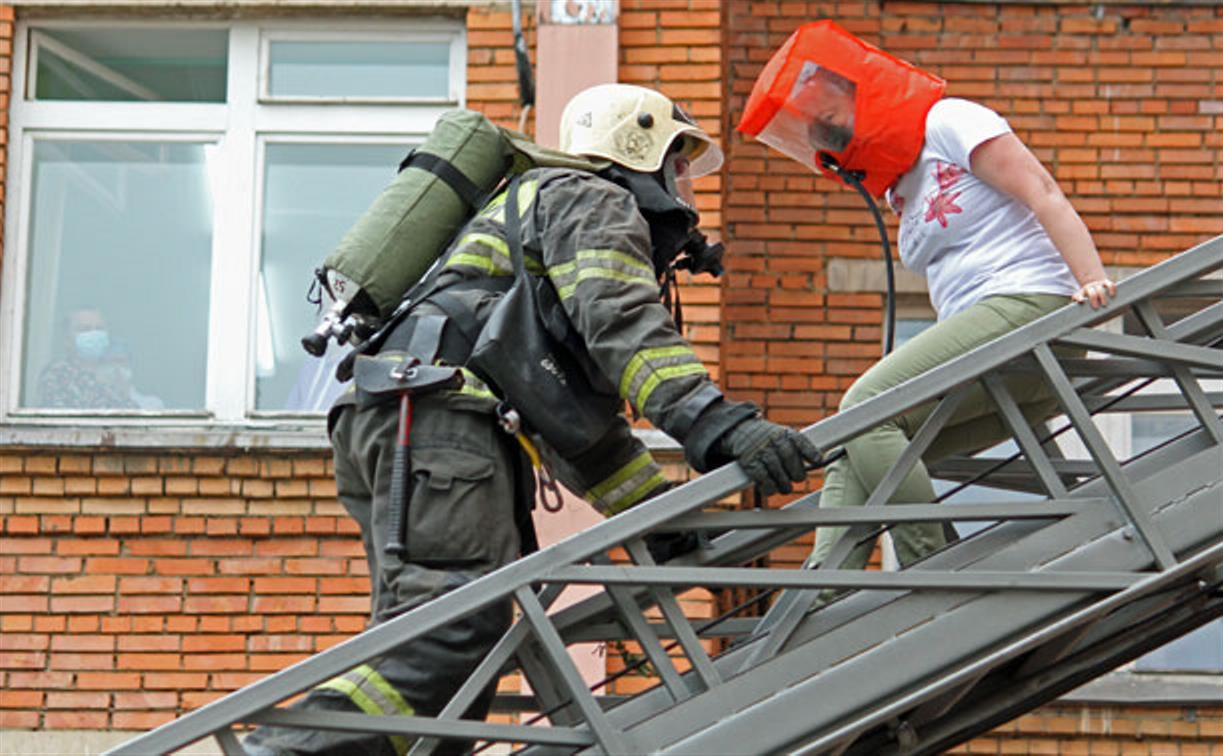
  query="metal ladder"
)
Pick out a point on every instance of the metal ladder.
point(1109, 558)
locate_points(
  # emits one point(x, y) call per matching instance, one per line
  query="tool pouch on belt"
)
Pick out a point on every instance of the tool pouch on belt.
point(533, 370)
point(387, 375)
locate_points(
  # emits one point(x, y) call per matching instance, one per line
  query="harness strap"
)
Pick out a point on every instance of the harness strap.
point(445, 170)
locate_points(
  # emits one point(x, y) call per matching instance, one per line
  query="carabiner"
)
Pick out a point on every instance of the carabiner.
point(548, 485)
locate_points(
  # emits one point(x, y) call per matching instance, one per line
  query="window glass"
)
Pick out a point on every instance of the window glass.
point(147, 65)
point(118, 288)
point(359, 70)
point(313, 193)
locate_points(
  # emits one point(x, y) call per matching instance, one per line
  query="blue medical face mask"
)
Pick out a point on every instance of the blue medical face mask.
point(92, 345)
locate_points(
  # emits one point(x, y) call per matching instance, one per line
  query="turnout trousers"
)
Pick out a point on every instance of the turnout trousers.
point(466, 477)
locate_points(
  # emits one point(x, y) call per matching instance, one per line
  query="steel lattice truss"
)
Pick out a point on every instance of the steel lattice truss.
point(1109, 557)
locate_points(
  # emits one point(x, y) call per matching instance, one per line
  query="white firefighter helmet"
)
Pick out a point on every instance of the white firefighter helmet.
point(634, 127)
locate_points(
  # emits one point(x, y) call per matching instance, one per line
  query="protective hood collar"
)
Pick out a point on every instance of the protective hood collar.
point(671, 221)
point(825, 90)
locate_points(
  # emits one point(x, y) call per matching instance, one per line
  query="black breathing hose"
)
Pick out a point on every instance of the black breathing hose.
point(854, 179)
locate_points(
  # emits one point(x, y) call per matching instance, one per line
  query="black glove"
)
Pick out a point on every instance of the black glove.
point(772, 455)
point(664, 547)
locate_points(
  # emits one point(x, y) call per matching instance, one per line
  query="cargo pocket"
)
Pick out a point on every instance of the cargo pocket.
point(453, 513)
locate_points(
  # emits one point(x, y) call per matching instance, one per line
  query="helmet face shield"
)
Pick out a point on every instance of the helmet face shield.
point(677, 175)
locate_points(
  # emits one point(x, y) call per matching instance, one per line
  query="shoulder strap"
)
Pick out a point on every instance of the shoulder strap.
point(445, 170)
point(513, 229)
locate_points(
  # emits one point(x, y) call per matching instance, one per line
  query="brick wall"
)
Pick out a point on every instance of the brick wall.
point(134, 586)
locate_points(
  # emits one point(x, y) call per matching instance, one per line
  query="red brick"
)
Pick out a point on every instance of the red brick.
point(87, 643)
point(277, 585)
point(85, 584)
point(158, 662)
point(19, 720)
point(83, 604)
point(77, 662)
point(21, 699)
point(213, 643)
point(151, 604)
point(175, 680)
point(78, 700)
point(108, 680)
point(146, 700)
point(216, 604)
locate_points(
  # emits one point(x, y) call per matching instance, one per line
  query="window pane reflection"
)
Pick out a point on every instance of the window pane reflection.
point(118, 288)
point(313, 193)
point(141, 65)
point(360, 70)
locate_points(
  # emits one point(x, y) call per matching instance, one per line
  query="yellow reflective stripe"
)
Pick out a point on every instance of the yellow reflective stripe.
point(473, 386)
point(644, 358)
point(526, 195)
point(634, 496)
point(487, 240)
point(615, 255)
point(382, 701)
point(485, 264)
point(664, 374)
point(624, 473)
point(385, 688)
point(626, 486)
point(585, 274)
point(490, 264)
point(350, 689)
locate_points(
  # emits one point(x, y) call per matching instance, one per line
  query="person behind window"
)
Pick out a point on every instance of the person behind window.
point(84, 377)
point(980, 217)
point(601, 241)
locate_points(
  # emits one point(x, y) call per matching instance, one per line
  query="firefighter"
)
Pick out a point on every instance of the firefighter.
point(603, 242)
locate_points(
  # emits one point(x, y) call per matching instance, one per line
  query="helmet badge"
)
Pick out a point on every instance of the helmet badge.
point(634, 144)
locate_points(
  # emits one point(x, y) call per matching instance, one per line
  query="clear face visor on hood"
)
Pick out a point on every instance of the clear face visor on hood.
point(817, 116)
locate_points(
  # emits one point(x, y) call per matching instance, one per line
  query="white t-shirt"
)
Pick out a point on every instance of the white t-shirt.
point(968, 239)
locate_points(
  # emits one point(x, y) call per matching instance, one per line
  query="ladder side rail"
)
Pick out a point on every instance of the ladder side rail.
point(410, 726)
point(906, 512)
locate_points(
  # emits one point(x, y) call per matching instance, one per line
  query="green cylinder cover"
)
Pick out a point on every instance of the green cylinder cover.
point(412, 222)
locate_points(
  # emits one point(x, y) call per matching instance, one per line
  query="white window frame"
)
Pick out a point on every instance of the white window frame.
point(240, 127)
